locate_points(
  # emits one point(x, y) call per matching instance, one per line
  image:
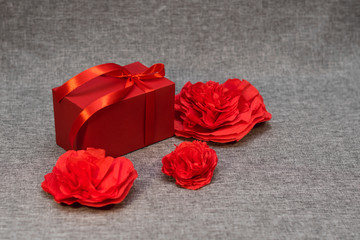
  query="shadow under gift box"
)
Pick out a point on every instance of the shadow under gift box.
point(120, 127)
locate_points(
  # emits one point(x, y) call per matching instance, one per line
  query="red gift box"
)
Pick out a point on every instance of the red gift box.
point(119, 109)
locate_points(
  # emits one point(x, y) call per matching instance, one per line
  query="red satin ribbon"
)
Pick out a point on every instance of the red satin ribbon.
point(114, 70)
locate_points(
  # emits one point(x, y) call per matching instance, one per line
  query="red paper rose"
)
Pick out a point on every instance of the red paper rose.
point(218, 112)
point(191, 164)
point(90, 178)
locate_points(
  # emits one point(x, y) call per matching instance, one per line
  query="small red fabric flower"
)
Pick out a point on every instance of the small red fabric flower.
point(218, 112)
point(192, 164)
point(90, 178)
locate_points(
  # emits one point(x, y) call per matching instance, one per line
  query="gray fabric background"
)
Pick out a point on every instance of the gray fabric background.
point(295, 177)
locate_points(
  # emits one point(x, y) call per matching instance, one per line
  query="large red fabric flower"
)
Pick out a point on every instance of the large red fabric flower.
point(90, 178)
point(218, 112)
point(192, 164)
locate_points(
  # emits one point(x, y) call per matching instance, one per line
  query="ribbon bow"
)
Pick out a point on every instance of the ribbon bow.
point(113, 70)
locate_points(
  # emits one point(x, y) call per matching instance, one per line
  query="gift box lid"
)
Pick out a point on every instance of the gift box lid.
point(104, 84)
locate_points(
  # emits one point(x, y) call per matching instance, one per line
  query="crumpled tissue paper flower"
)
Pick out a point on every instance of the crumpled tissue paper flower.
point(90, 178)
point(192, 164)
point(218, 112)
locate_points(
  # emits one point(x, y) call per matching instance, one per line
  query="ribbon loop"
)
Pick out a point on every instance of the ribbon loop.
point(113, 70)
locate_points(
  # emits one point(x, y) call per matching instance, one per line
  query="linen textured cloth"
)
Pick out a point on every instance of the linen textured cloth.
point(294, 177)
